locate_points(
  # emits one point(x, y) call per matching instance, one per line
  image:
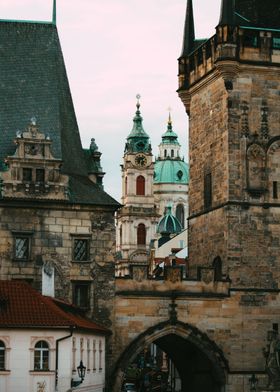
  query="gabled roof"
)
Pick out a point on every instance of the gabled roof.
point(33, 82)
point(21, 306)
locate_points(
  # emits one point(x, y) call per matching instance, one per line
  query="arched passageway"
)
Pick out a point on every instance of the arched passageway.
point(200, 363)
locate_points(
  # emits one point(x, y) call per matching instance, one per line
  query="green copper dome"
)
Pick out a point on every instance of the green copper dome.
point(171, 171)
point(138, 140)
point(169, 224)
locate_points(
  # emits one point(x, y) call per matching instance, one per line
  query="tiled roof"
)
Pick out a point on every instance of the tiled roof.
point(22, 306)
point(33, 82)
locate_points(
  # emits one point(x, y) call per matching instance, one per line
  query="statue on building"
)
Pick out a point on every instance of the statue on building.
point(272, 355)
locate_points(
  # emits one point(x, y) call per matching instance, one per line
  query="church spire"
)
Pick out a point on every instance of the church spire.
point(54, 12)
point(227, 12)
point(189, 35)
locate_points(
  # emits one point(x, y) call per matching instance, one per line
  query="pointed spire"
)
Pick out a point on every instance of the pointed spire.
point(227, 13)
point(189, 35)
point(54, 12)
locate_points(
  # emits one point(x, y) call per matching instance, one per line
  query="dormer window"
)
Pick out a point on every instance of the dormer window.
point(26, 174)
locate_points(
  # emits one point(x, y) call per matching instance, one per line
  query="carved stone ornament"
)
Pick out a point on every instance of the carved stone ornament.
point(140, 273)
point(173, 274)
point(207, 275)
point(272, 365)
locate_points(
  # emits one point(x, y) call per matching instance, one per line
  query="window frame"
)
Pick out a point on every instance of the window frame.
point(208, 190)
point(82, 237)
point(22, 235)
point(3, 351)
point(41, 351)
point(141, 234)
point(75, 286)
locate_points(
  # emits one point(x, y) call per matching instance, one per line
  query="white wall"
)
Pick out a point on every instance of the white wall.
point(20, 376)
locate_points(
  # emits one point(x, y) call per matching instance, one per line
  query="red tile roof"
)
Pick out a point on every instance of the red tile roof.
point(22, 306)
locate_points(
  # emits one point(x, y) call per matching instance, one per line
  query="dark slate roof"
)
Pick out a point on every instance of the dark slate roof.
point(253, 13)
point(22, 306)
point(33, 82)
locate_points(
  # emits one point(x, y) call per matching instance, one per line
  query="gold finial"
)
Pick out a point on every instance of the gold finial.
point(138, 96)
point(169, 116)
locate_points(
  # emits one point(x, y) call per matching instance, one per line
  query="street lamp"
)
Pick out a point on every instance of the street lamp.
point(81, 371)
point(253, 380)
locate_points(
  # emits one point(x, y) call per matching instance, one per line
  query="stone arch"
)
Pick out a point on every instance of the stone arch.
point(187, 333)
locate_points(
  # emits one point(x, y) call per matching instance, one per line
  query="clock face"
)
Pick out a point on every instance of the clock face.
point(140, 160)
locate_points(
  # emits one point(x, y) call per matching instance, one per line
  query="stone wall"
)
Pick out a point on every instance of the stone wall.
point(52, 230)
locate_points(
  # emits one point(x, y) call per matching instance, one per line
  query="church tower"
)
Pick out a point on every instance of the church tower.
point(230, 85)
point(136, 220)
point(171, 177)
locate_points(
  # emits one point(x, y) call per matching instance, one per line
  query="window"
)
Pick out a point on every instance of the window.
point(81, 292)
point(208, 190)
point(140, 186)
point(180, 174)
point(88, 354)
point(41, 356)
point(74, 354)
point(26, 174)
point(275, 189)
point(141, 234)
point(81, 249)
point(121, 235)
point(217, 265)
point(2, 355)
point(172, 153)
point(165, 153)
point(40, 175)
point(22, 246)
point(100, 355)
point(250, 39)
point(276, 43)
point(125, 186)
point(180, 214)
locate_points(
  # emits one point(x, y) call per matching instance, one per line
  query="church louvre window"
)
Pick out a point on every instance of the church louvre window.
point(26, 174)
point(208, 190)
point(2, 355)
point(141, 234)
point(41, 356)
point(180, 174)
point(180, 214)
point(140, 186)
point(81, 294)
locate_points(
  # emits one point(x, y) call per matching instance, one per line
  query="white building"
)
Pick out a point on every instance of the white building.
point(43, 341)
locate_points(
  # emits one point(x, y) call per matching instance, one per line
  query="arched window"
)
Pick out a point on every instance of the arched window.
point(141, 234)
point(217, 265)
point(2, 355)
point(121, 235)
point(172, 153)
point(41, 356)
point(180, 214)
point(165, 153)
point(125, 186)
point(140, 186)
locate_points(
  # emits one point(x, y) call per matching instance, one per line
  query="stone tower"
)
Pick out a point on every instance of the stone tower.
point(136, 221)
point(229, 85)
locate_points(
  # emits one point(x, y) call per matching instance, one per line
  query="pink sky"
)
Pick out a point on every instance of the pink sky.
point(114, 49)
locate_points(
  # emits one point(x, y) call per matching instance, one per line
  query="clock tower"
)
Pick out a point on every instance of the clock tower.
point(137, 219)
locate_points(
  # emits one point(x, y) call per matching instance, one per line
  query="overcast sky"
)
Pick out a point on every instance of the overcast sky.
point(113, 50)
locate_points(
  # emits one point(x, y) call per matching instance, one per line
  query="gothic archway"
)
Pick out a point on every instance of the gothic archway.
point(199, 361)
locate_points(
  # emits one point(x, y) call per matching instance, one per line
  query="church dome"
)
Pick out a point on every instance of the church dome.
point(169, 224)
point(171, 171)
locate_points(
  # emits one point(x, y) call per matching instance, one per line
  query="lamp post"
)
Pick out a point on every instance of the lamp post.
point(253, 380)
point(81, 371)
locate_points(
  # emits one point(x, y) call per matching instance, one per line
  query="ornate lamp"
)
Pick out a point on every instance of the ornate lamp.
point(81, 371)
point(253, 380)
